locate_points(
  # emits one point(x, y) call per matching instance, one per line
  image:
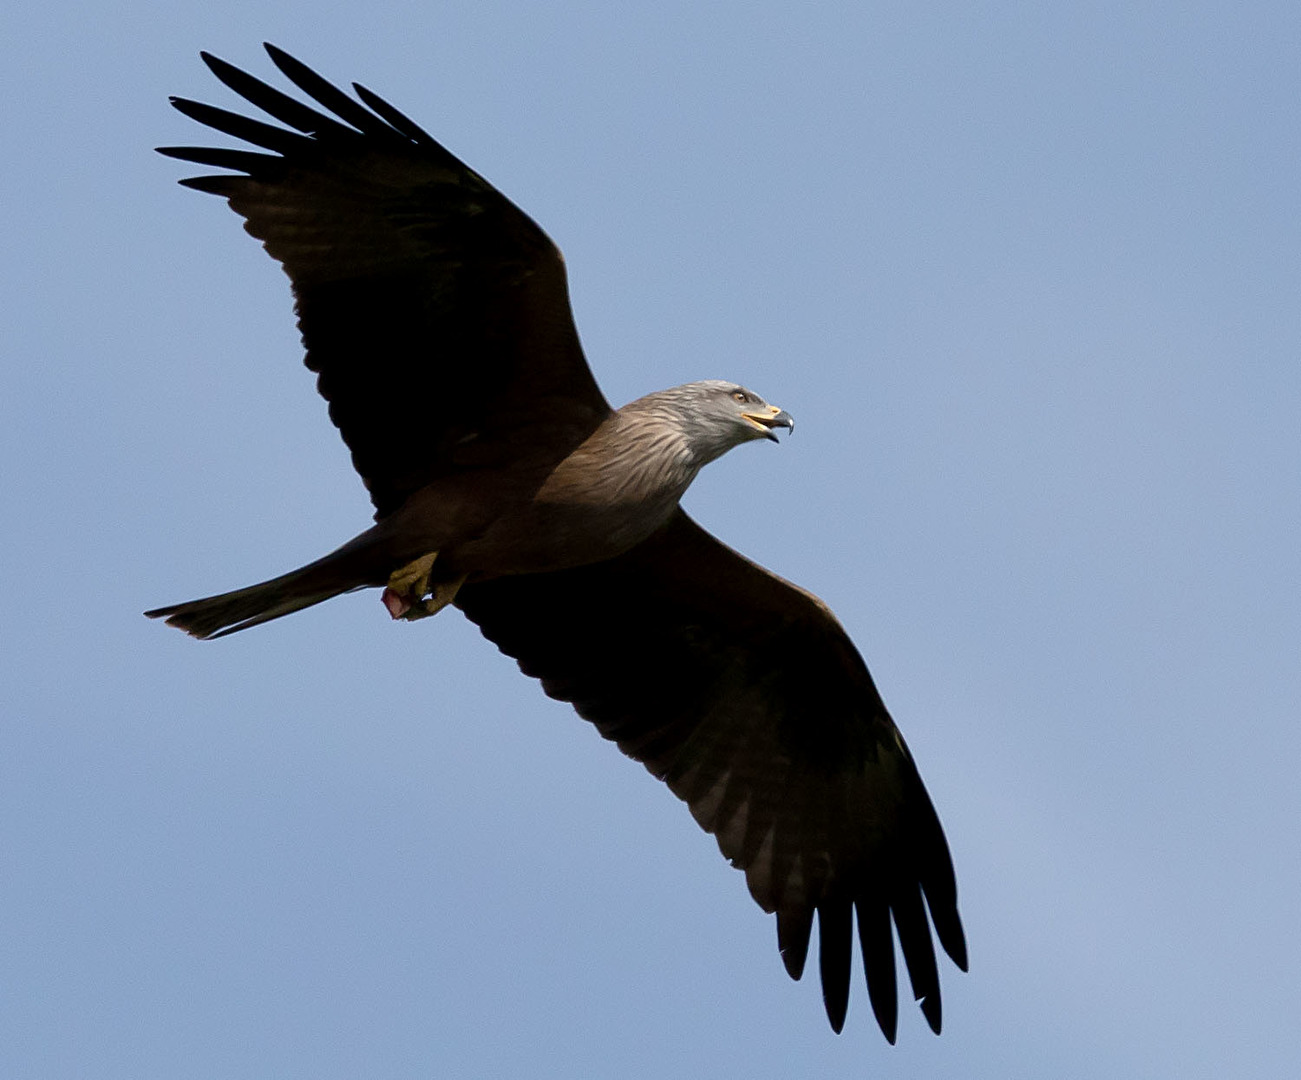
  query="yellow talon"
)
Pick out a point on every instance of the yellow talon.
point(409, 594)
point(412, 581)
point(443, 594)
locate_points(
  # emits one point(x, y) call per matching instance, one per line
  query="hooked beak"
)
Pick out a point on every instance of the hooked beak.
point(768, 418)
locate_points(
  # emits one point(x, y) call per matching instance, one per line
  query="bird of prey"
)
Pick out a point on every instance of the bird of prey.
point(436, 316)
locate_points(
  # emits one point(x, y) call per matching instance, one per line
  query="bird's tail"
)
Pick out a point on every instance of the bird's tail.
point(217, 616)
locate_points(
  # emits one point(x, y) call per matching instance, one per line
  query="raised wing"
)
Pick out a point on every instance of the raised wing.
point(435, 312)
point(744, 694)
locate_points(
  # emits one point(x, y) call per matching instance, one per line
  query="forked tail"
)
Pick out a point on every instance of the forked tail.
point(217, 616)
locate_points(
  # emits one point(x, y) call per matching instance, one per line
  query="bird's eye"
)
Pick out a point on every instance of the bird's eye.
point(741, 396)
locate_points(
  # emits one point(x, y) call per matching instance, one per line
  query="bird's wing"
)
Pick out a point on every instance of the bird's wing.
point(745, 695)
point(434, 311)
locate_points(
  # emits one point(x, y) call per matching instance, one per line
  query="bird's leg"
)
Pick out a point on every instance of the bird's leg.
point(408, 585)
point(443, 594)
point(409, 594)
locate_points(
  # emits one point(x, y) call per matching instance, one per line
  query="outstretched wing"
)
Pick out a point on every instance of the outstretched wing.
point(435, 312)
point(744, 694)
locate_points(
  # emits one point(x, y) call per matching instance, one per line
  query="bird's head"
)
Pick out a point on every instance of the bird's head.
point(718, 415)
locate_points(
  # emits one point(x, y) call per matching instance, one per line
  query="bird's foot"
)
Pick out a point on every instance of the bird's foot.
point(408, 585)
point(409, 594)
point(443, 594)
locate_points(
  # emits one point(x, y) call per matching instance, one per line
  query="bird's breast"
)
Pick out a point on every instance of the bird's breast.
point(548, 535)
point(609, 495)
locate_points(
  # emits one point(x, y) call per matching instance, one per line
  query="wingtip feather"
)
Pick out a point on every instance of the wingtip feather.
point(793, 932)
point(877, 944)
point(210, 185)
point(835, 956)
point(930, 1006)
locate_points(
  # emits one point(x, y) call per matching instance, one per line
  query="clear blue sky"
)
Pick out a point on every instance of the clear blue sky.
point(1027, 276)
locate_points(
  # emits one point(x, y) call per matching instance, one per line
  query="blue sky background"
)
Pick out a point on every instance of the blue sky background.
point(1026, 274)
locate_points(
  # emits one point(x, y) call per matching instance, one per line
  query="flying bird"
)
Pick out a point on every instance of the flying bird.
point(436, 316)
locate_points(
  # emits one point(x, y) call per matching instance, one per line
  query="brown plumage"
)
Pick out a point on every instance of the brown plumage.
point(437, 317)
